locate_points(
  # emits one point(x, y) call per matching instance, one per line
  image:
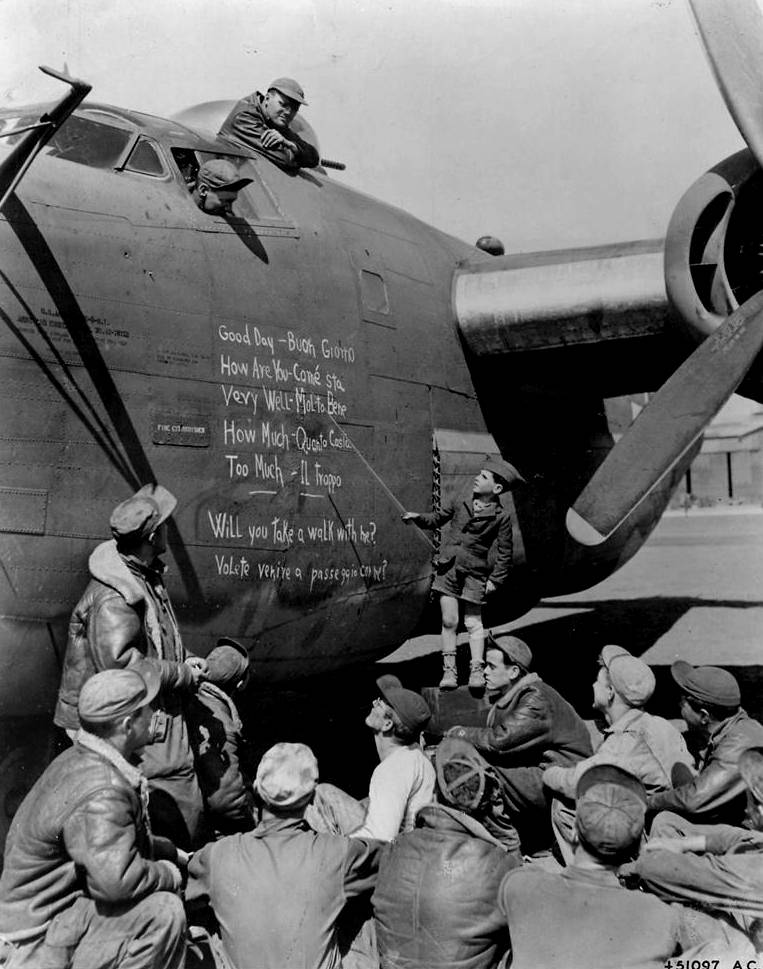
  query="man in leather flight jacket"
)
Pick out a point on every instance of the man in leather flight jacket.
point(529, 727)
point(710, 706)
point(85, 883)
point(124, 618)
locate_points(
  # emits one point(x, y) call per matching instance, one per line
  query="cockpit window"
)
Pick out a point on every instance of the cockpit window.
point(144, 159)
point(255, 202)
point(90, 143)
point(79, 140)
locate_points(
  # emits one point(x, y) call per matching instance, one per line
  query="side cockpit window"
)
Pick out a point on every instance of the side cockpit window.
point(145, 159)
point(256, 202)
point(87, 142)
point(97, 140)
point(188, 164)
point(84, 141)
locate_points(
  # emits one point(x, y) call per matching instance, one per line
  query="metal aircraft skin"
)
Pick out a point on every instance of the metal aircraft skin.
point(298, 372)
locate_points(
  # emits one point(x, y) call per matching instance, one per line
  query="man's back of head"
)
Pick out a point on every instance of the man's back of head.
point(610, 808)
point(228, 665)
point(136, 523)
point(115, 706)
point(623, 682)
point(463, 781)
point(286, 779)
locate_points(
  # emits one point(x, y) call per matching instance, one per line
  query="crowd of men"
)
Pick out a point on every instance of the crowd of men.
point(514, 843)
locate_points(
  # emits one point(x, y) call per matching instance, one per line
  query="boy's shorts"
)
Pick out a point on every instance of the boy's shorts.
point(460, 585)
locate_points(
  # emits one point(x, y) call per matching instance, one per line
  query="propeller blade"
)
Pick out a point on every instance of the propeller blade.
point(732, 34)
point(668, 426)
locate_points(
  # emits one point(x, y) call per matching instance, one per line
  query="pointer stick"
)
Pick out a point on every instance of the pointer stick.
point(400, 507)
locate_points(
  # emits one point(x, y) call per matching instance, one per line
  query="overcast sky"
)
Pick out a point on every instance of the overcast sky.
point(547, 122)
point(550, 123)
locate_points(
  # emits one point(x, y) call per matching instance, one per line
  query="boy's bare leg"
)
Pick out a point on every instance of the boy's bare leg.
point(473, 623)
point(449, 613)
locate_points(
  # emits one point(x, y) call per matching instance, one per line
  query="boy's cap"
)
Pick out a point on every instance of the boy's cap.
point(288, 86)
point(142, 513)
point(412, 709)
point(631, 678)
point(504, 470)
point(708, 684)
point(461, 774)
point(751, 768)
point(217, 173)
point(610, 807)
point(227, 662)
point(287, 776)
point(513, 648)
point(112, 694)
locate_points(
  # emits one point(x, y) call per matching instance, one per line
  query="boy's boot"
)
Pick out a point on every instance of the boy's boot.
point(449, 679)
point(477, 675)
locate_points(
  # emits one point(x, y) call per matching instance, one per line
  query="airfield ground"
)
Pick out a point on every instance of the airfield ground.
point(694, 591)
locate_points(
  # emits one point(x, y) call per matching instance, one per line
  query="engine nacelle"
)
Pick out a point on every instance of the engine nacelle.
point(713, 254)
point(714, 251)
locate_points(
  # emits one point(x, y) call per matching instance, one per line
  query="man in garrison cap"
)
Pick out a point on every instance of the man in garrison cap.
point(717, 867)
point(583, 916)
point(529, 727)
point(85, 883)
point(264, 122)
point(648, 747)
point(478, 524)
point(278, 891)
point(710, 706)
point(222, 755)
point(123, 618)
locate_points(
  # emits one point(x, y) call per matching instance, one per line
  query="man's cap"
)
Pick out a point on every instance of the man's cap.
point(143, 513)
point(461, 774)
point(504, 470)
point(227, 662)
point(412, 709)
point(286, 776)
point(708, 684)
point(513, 648)
point(388, 681)
point(113, 694)
point(630, 677)
point(610, 806)
point(609, 652)
point(288, 86)
point(217, 173)
point(751, 768)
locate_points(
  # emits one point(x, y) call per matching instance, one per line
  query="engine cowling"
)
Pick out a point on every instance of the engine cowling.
point(714, 252)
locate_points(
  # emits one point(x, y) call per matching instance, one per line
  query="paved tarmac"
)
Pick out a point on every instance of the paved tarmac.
point(694, 592)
